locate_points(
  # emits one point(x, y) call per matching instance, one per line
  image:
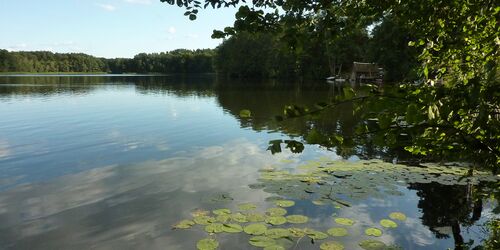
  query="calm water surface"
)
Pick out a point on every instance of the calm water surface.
point(112, 162)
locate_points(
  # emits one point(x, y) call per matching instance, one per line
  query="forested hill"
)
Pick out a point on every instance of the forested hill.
point(176, 61)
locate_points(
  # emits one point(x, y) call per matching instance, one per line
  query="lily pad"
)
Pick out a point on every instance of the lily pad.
point(284, 203)
point(276, 211)
point(222, 197)
point(245, 113)
point(232, 228)
point(276, 233)
point(239, 217)
point(388, 223)
point(276, 220)
point(274, 247)
point(207, 244)
point(373, 232)
point(214, 228)
point(184, 224)
point(204, 220)
point(319, 203)
point(297, 219)
point(344, 221)
point(316, 235)
point(223, 218)
point(255, 217)
point(261, 241)
point(372, 245)
point(247, 206)
point(255, 229)
point(200, 212)
point(221, 211)
point(297, 232)
point(337, 231)
point(397, 216)
point(331, 245)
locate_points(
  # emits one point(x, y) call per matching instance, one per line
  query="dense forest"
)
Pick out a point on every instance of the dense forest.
point(177, 61)
point(319, 55)
point(251, 55)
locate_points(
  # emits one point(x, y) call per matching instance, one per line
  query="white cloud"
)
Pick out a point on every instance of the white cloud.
point(107, 7)
point(171, 30)
point(145, 2)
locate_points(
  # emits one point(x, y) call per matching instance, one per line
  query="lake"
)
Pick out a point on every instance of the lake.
point(117, 161)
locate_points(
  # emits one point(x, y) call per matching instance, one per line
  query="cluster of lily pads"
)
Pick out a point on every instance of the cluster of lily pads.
point(266, 229)
point(322, 182)
point(326, 181)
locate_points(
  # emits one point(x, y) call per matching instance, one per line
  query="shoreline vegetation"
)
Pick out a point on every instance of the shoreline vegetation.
point(261, 55)
point(52, 73)
point(44, 62)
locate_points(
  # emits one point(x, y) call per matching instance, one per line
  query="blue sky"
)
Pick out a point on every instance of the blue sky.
point(107, 28)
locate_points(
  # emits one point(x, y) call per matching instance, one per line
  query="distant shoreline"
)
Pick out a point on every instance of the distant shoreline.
point(20, 74)
point(53, 73)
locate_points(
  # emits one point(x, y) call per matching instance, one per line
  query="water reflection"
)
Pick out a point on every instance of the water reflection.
point(445, 218)
point(112, 206)
point(111, 162)
point(134, 206)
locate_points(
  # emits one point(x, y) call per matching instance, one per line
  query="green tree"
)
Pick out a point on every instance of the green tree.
point(456, 109)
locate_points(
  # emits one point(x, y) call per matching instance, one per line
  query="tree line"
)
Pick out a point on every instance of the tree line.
point(317, 55)
point(172, 62)
point(450, 47)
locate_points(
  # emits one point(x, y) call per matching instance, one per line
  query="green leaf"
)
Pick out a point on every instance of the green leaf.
point(284, 203)
point(297, 219)
point(276, 233)
point(397, 216)
point(276, 220)
point(192, 17)
point(255, 229)
point(247, 206)
point(204, 220)
point(245, 113)
point(411, 113)
point(337, 231)
point(373, 232)
point(223, 218)
point(388, 223)
point(214, 228)
point(221, 211)
point(349, 93)
point(274, 247)
point(207, 244)
point(232, 228)
point(316, 235)
point(331, 245)
point(372, 245)
point(344, 221)
point(184, 224)
point(297, 232)
point(239, 217)
point(255, 217)
point(276, 211)
point(261, 241)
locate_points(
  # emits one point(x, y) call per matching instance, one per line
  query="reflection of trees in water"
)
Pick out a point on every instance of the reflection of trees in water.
point(449, 207)
point(267, 99)
point(48, 85)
